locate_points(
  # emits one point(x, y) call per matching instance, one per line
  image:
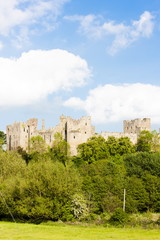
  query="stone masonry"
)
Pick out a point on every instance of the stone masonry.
point(74, 131)
point(131, 128)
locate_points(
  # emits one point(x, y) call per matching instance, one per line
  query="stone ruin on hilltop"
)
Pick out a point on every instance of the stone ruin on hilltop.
point(74, 131)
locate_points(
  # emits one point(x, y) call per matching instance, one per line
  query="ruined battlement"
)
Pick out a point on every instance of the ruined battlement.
point(74, 131)
point(78, 131)
point(137, 125)
point(32, 122)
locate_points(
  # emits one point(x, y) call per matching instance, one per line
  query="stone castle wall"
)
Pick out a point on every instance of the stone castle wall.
point(78, 131)
point(132, 128)
point(133, 136)
point(19, 133)
point(136, 125)
point(74, 131)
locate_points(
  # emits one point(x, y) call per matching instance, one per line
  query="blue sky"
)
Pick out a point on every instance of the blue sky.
point(77, 58)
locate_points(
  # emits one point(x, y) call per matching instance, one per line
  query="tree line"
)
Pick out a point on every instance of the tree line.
point(48, 184)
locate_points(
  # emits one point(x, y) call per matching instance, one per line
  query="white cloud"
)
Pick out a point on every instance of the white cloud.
point(112, 103)
point(89, 25)
point(144, 25)
point(124, 35)
point(36, 74)
point(16, 14)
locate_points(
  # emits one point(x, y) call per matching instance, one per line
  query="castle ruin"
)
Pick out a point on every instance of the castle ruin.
point(74, 131)
point(131, 129)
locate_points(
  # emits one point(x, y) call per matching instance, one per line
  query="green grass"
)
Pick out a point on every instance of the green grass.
point(20, 231)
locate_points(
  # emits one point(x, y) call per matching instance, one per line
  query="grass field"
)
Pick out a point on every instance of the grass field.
point(20, 231)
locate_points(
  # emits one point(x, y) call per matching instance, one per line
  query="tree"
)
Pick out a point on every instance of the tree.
point(24, 154)
point(125, 146)
point(140, 163)
point(38, 191)
point(38, 144)
point(152, 186)
point(120, 146)
point(103, 184)
point(137, 198)
point(112, 145)
point(94, 149)
point(119, 217)
point(2, 139)
point(60, 149)
point(155, 141)
point(144, 142)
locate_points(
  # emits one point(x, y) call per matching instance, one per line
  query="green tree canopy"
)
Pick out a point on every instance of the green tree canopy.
point(155, 141)
point(144, 142)
point(2, 139)
point(137, 198)
point(125, 146)
point(140, 163)
point(103, 184)
point(60, 149)
point(119, 146)
point(37, 144)
point(94, 149)
point(112, 145)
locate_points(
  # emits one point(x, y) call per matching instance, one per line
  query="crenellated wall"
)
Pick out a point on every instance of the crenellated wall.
point(137, 125)
point(74, 131)
point(78, 131)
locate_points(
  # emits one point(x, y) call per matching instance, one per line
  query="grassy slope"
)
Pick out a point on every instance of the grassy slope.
point(12, 231)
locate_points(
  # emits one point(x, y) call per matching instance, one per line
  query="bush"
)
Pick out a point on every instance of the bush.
point(119, 217)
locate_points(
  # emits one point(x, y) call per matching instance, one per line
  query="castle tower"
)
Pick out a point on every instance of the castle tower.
point(18, 134)
point(137, 125)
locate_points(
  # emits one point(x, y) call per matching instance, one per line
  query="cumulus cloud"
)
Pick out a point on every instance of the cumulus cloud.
point(124, 35)
point(112, 103)
point(17, 14)
point(36, 74)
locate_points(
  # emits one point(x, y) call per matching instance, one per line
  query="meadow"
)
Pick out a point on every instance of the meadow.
point(58, 231)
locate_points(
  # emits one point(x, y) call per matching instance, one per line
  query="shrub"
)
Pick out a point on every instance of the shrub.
point(119, 217)
point(79, 206)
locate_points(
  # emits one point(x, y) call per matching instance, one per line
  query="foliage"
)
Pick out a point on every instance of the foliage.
point(97, 148)
point(142, 162)
point(39, 190)
point(54, 186)
point(152, 187)
point(144, 142)
point(37, 144)
point(10, 164)
point(94, 149)
point(103, 183)
point(119, 217)
point(24, 154)
point(120, 146)
point(112, 145)
point(60, 149)
point(137, 196)
point(2, 139)
point(79, 206)
point(125, 146)
point(155, 141)
point(146, 220)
